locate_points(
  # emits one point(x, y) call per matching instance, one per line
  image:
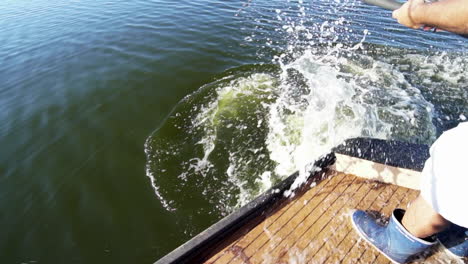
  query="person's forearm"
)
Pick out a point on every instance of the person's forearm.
point(450, 15)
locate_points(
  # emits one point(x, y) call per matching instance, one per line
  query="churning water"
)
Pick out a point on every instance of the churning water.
point(255, 125)
point(226, 98)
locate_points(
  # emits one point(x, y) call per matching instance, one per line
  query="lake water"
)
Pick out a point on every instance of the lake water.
point(127, 127)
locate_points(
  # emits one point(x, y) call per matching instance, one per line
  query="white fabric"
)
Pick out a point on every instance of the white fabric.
point(444, 181)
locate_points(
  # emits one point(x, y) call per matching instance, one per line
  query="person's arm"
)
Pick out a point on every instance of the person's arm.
point(450, 15)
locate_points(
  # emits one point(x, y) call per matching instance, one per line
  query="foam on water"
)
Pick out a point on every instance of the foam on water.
point(341, 98)
point(238, 136)
point(218, 130)
point(262, 127)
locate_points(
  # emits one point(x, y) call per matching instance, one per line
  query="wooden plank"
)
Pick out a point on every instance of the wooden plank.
point(289, 232)
point(231, 251)
point(270, 226)
point(334, 234)
point(273, 235)
point(317, 228)
point(339, 244)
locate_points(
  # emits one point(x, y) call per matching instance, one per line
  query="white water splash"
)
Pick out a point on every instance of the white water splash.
point(343, 100)
point(166, 204)
point(325, 93)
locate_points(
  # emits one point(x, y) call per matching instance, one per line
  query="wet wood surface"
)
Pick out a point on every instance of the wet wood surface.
point(315, 226)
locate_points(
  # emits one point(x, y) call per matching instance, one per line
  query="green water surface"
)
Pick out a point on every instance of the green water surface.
point(84, 83)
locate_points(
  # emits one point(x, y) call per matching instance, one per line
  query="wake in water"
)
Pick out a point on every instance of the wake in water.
point(236, 137)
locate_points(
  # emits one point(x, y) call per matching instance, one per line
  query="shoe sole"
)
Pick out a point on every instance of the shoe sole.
point(369, 242)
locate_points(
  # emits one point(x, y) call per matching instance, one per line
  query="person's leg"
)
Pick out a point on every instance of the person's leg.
point(392, 240)
point(443, 192)
point(422, 221)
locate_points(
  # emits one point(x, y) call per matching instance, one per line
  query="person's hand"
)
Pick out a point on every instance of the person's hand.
point(405, 14)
